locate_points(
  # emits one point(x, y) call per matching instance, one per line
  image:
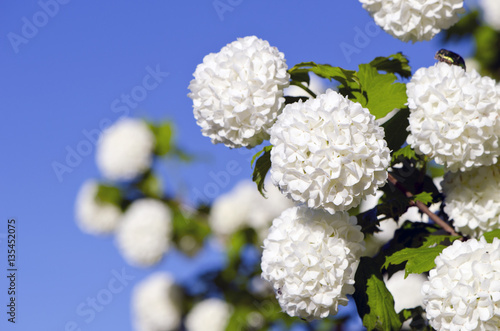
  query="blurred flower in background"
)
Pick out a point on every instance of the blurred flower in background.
point(156, 304)
point(144, 233)
point(210, 314)
point(125, 149)
point(92, 215)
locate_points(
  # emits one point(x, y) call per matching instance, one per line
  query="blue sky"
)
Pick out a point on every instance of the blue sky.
point(63, 80)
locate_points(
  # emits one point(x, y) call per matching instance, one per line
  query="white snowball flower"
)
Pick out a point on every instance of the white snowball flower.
point(491, 12)
point(473, 199)
point(155, 304)
point(144, 232)
point(328, 152)
point(238, 93)
point(454, 116)
point(463, 291)
point(210, 314)
point(310, 257)
point(414, 20)
point(244, 206)
point(93, 216)
point(124, 150)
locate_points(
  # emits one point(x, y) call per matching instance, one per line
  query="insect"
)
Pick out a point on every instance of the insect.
point(444, 55)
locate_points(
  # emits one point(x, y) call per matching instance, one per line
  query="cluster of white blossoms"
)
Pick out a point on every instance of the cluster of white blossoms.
point(143, 235)
point(328, 152)
point(210, 314)
point(310, 257)
point(238, 93)
point(414, 20)
point(454, 116)
point(155, 304)
point(473, 199)
point(125, 150)
point(463, 291)
point(491, 12)
point(244, 206)
point(93, 216)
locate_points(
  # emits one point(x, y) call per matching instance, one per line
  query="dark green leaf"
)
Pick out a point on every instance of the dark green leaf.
point(289, 100)
point(395, 129)
point(467, 25)
point(395, 63)
point(262, 166)
point(489, 236)
point(374, 302)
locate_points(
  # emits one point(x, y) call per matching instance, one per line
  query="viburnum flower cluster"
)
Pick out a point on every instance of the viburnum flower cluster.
point(310, 257)
point(328, 152)
point(454, 116)
point(125, 150)
point(94, 216)
point(463, 291)
point(238, 93)
point(473, 199)
point(156, 304)
point(210, 314)
point(414, 20)
point(143, 235)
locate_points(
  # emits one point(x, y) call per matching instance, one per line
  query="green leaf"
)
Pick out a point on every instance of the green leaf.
point(439, 239)
point(395, 129)
point(406, 152)
point(395, 63)
point(163, 133)
point(300, 71)
point(150, 185)
point(489, 236)
point(109, 194)
point(262, 166)
point(418, 260)
point(379, 92)
point(424, 197)
point(374, 302)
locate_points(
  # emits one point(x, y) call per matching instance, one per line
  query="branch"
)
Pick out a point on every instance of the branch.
point(423, 207)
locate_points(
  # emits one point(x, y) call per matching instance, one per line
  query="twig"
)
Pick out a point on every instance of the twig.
point(423, 207)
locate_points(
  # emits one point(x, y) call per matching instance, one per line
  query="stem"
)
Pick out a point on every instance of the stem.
point(302, 86)
point(423, 207)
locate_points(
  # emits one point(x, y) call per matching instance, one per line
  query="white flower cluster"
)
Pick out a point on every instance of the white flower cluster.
point(125, 149)
point(463, 291)
point(143, 235)
point(155, 304)
point(210, 314)
point(414, 20)
point(93, 216)
point(454, 116)
point(238, 93)
point(310, 257)
point(491, 12)
point(328, 152)
point(473, 199)
point(244, 207)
